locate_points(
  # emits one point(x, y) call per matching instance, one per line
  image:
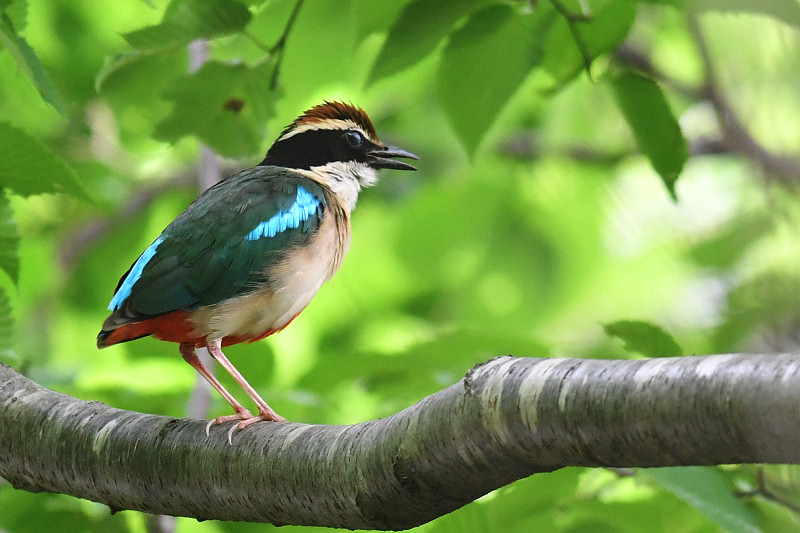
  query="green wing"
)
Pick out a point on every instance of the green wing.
point(221, 245)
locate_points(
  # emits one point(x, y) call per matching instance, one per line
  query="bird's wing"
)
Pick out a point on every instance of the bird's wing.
point(222, 244)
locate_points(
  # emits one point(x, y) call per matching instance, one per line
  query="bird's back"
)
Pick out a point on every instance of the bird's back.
point(230, 251)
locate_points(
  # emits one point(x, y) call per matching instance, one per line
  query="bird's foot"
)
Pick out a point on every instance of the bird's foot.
point(240, 415)
point(263, 416)
point(244, 418)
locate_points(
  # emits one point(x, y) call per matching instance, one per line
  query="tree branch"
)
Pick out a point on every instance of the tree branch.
point(783, 167)
point(506, 419)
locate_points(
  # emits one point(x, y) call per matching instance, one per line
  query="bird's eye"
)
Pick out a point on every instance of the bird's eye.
point(354, 138)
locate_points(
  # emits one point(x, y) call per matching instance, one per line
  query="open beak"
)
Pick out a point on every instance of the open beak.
point(380, 158)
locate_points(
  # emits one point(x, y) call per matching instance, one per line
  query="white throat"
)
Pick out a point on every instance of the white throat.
point(346, 178)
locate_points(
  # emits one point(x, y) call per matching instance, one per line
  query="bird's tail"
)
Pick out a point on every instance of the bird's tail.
point(123, 334)
point(173, 327)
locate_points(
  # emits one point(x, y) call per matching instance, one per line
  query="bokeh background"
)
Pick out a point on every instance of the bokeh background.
point(604, 178)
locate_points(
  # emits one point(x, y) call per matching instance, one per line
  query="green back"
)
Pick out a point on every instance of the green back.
point(205, 257)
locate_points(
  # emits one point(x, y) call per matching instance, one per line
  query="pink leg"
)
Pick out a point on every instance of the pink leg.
point(189, 355)
point(265, 412)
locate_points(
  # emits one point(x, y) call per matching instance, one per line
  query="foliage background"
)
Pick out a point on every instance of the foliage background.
point(541, 222)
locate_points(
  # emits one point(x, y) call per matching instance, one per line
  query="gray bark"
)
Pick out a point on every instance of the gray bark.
point(506, 419)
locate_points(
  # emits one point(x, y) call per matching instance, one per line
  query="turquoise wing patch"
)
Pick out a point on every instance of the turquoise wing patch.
point(222, 245)
point(304, 206)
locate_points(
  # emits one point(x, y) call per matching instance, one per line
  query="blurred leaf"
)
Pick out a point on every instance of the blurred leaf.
point(542, 496)
point(421, 26)
point(606, 27)
point(17, 11)
point(368, 20)
point(6, 329)
point(657, 132)
point(644, 338)
point(787, 11)
point(725, 247)
point(187, 20)
point(31, 168)
point(124, 70)
point(225, 106)
point(9, 240)
point(422, 368)
point(29, 63)
point(707, 491)
point(25, 512)
point(484, 64)
point(765, 303)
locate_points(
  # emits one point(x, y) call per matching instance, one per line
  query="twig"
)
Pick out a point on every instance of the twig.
point(280, 45)
point(763, 491)
point(735, 135)
point(527, 148)
point(572, 20)
point(635, 58)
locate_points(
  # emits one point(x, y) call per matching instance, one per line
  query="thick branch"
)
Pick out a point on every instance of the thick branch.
point(508, 418)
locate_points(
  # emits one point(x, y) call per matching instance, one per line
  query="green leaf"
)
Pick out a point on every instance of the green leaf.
point(9, 239)
point(421, 26)
point(367, 20)
point(29, 167)
point(656, 130)
point(604, 30)
point(786, 11)
point(29, 63)
point(225, 106)
point(727, 245)
point(485, 63)
point(122, 73)
point(187, 20)
point(6, 329)
point(17, 11)
point(707, 491)
point(644, 338)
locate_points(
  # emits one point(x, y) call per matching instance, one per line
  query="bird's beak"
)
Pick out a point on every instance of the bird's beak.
point(380, 158)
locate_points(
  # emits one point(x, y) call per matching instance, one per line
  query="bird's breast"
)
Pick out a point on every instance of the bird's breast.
point(291, 284)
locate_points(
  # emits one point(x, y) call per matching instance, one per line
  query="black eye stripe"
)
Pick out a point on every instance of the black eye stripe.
point(313, 148)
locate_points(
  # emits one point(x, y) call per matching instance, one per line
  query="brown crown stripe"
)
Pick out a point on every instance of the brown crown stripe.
point(331, 112)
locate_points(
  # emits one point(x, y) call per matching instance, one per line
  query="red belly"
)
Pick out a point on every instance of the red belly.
point(177, 327)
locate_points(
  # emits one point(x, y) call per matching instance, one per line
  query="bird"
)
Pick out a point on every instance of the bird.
point(249, 253)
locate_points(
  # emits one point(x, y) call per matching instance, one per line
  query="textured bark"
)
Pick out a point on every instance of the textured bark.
point(508, 418)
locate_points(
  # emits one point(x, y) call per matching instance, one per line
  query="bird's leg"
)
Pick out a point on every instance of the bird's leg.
point(190, 356)
point(265, 412)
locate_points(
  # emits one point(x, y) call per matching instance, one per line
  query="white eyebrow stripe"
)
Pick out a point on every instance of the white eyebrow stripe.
point(327, 124)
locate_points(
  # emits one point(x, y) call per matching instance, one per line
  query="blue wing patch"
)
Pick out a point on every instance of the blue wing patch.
point(133, 276)
point(304, 206)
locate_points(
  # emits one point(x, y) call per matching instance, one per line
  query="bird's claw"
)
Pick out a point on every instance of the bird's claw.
point(270, 416)
point(244, 414)
point(244, 419)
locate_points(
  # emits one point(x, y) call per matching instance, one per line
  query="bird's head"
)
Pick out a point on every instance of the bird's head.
point(338, 144)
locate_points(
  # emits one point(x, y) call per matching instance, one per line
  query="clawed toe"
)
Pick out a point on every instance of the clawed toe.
point(261, 417)
point(243, 419)
point(242, 415)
